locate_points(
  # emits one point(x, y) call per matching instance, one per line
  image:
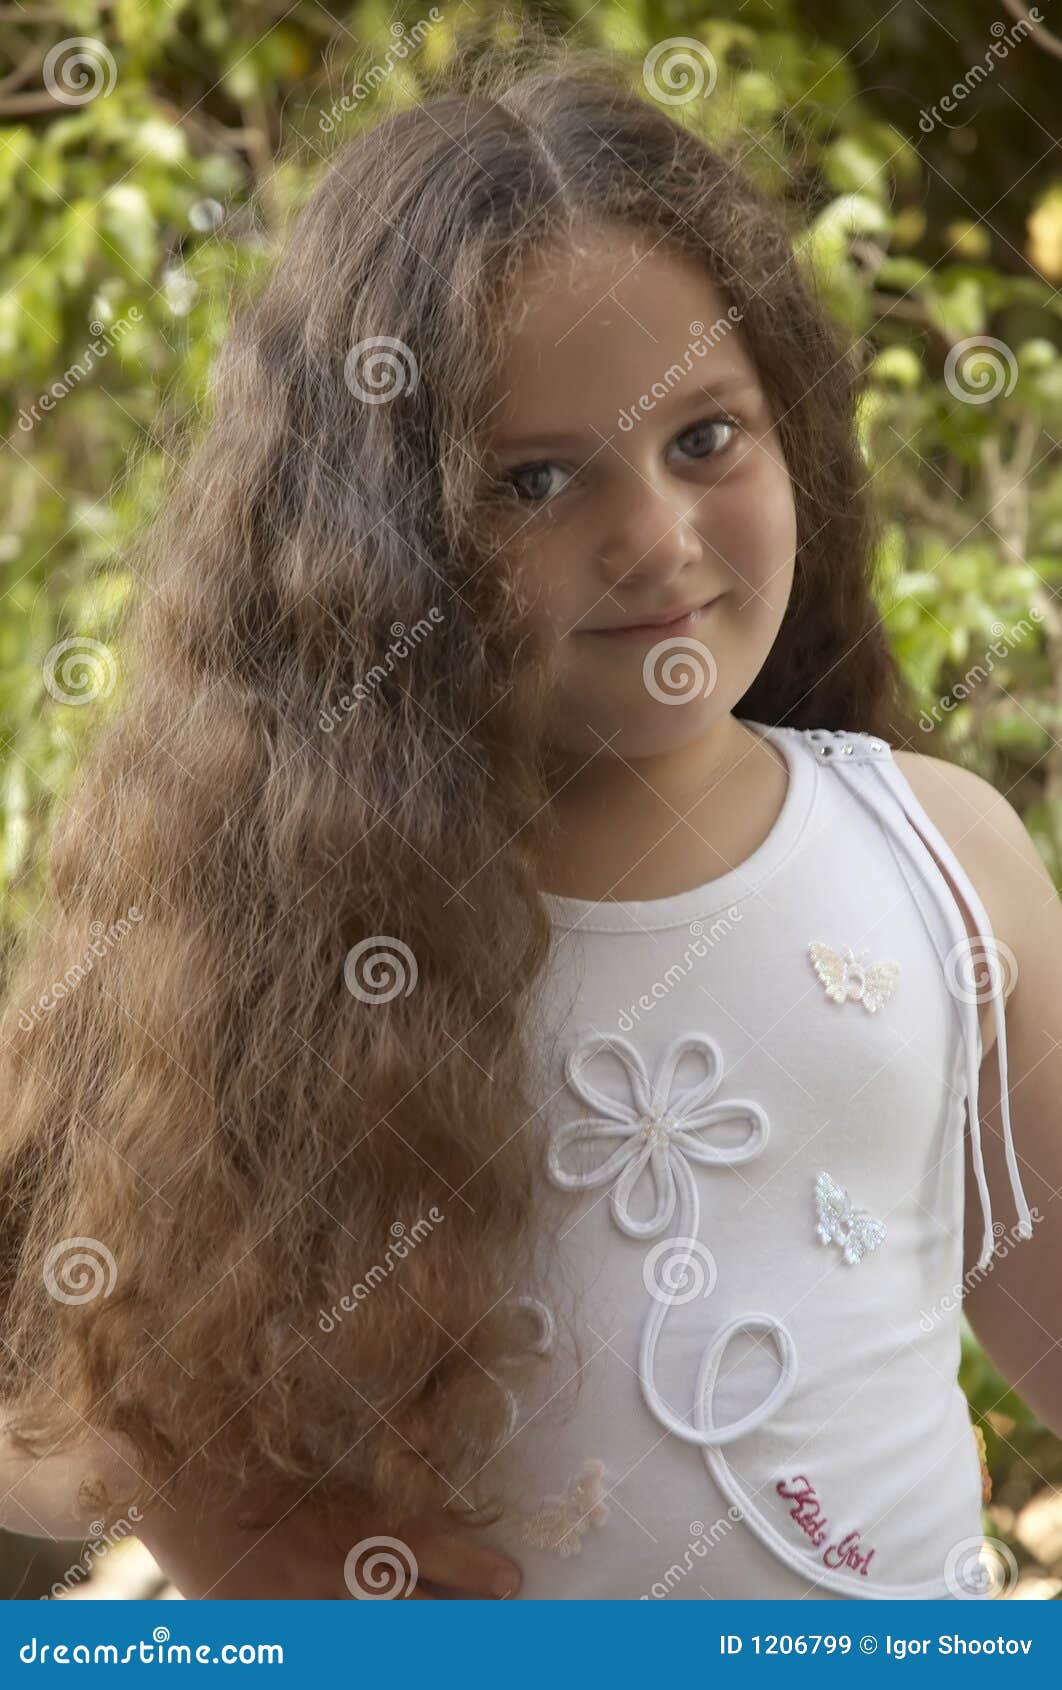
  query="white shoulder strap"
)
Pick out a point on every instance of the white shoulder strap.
point(871, 772)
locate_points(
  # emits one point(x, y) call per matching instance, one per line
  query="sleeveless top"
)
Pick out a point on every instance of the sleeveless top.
point(753, 1104)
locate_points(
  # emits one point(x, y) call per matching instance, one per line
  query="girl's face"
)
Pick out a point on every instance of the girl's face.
point(645, 477)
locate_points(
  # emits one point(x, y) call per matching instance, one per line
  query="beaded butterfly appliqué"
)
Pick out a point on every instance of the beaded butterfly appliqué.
point(846, 976)
point(561, 1521)
point(854, 1229)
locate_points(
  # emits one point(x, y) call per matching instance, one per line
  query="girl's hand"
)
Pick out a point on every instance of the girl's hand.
point(212, 1557)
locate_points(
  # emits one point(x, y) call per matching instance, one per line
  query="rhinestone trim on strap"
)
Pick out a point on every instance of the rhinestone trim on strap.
point(833, 742)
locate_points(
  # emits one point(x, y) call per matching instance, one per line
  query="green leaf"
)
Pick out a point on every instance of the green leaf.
point(898, 365)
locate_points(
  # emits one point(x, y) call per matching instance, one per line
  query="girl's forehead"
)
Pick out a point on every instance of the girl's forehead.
point(625, 291)
point(591, 327)
point(618, 258)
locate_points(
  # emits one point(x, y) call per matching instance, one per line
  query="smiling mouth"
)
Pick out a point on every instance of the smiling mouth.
point(658, 630)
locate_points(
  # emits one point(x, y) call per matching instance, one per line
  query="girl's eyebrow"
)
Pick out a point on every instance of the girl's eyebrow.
point(733, 382)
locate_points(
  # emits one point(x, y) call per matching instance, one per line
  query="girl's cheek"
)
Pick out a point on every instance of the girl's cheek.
point(553, 590)
point(533, 563)
point(752, 525)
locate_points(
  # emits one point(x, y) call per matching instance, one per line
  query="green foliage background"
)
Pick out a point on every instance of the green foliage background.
point(135, 220)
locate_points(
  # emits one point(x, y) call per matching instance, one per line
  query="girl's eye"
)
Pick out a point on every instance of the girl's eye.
point(538, 495)
point(712, 428)
point(715, 435)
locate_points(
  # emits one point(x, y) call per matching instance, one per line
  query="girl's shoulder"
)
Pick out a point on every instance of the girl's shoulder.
point(992, 844)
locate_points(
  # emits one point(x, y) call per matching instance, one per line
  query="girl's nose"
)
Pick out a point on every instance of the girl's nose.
point(652, 537)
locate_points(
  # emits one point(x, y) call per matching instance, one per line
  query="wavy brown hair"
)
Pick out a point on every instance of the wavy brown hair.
point(334, 749)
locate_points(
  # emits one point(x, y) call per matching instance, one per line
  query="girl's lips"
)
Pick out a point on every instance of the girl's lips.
point(659, 630)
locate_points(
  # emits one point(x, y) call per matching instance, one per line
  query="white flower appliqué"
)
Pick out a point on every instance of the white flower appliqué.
point(848, 977)
point(663, 1129)
point(854, 1229)
point(562, 1521)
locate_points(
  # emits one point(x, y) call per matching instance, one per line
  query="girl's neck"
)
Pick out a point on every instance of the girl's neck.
point(651, 827)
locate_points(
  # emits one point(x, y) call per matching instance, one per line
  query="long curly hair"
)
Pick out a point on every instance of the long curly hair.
point(268, 1174)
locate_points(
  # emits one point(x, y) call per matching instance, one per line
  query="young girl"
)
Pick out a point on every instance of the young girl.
point(532, 1093)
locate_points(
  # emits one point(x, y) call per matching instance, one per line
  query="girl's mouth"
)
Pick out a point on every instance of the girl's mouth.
point(648, 631)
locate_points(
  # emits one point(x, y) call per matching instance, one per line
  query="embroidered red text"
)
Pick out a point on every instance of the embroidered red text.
point(807, 1512)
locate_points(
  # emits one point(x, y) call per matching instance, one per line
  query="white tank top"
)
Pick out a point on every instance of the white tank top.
point(753, 1102)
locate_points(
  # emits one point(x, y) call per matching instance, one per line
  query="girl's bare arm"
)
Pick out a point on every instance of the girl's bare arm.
point(1013, 1304)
